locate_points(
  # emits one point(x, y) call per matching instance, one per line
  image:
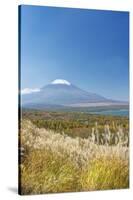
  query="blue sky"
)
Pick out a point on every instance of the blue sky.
point(89, 48)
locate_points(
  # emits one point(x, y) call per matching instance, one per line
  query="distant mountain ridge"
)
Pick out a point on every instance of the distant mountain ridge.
point(62, 93)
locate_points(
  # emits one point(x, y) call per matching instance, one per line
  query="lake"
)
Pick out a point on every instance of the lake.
point(121, 112)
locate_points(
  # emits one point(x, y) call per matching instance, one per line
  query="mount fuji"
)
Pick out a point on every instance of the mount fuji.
point(61, 93)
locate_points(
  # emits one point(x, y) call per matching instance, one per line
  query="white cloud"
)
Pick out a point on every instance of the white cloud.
point(29, 90)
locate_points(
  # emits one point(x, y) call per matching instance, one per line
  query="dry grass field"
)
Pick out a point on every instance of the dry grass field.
point(56, 162)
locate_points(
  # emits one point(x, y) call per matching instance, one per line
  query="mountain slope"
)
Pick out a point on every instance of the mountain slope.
point(61, 93)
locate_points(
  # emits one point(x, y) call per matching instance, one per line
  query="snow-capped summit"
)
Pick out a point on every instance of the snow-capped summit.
point(61, 81)
point(62, 93)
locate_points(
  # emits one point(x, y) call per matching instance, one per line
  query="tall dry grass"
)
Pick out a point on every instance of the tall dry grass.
point(53, 162)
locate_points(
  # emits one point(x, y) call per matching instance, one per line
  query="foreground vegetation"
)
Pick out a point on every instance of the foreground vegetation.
point(55, 162)
point(78, 124)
